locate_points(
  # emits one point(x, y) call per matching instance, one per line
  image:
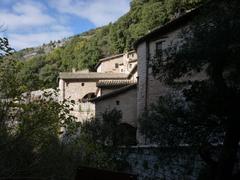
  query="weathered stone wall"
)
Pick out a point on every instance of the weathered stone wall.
point(142, 72)
point(129, 61)
point(83, 111)
point(109, 65)
point(127, 105)
point(125, 62)
point(167, 163)
point(61, 86)
point(76, 90)
point(156, 88)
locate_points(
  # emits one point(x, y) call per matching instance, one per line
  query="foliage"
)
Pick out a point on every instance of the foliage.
point(5, 49)
point(30, 144)
point(40, 138)
point(84, 50)
point(174, 121)
point(211, 47)
point(100, 140)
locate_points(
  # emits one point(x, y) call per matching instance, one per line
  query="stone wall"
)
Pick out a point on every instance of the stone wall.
point(127, 105)
point(167, 163)
point(125, 63)
point(83, 111)
point(142, 78)
point(109, 65)
point(76, 90)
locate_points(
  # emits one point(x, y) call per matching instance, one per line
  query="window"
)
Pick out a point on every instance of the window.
point(117, 102)
point(121, 70)
point(130, 65)
point(83, 84)
point(116, 65)
point(159, 50)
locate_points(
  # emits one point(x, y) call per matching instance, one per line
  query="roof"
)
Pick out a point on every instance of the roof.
point(114, 83)
point(92, 75)
point(115, 93)
point(175, 23)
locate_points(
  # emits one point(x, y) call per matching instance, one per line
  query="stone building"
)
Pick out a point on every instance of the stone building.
point(147, 47)
point(113, 73)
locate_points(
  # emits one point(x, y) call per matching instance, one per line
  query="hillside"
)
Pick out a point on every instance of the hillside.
point(42, 65)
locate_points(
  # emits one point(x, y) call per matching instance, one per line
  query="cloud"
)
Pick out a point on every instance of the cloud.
point(99, 12)
point(35, 39)
point(25, 15)
point(31, 23)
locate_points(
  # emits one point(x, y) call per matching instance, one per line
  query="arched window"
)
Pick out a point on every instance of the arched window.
point(88, 96)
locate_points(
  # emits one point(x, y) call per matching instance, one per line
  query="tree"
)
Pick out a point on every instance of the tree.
point(213, 47)
point(30, 143)
point(5, 49)
point(101, 138)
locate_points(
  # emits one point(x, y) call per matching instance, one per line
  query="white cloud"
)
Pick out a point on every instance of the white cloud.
point(21, 41)
point(99, 12)
point(31, 23)
point(25, 15)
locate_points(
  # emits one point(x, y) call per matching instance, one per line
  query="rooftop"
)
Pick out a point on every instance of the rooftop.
point(114, 93)
point(92, 75)
point(114, 83)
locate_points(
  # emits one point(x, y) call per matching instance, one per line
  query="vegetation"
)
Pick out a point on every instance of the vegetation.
point(83, 51)
point(208, 108)
point(40, 139)
point(102, 137)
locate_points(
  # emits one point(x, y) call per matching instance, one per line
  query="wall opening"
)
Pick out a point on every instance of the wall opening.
point(88, 96)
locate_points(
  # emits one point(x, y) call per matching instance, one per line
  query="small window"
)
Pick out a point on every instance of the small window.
point(83, 84)
point(116, 65)
point(121, 70)
point(118, 103)
point(159, 48)
point(130, 65)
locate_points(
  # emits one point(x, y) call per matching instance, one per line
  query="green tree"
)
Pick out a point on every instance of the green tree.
point(30, 143)
point(101, 138)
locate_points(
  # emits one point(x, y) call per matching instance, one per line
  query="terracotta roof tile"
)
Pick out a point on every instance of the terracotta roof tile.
point(114, 83)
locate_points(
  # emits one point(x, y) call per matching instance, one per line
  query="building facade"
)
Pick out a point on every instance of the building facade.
point(113, 73)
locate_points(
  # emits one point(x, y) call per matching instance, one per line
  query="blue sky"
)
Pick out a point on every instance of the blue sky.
point(29, 23)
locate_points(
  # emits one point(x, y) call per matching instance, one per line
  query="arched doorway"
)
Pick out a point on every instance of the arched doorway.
point(126, 134)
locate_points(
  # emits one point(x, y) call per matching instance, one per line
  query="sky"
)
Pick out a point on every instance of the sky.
point(30, 23)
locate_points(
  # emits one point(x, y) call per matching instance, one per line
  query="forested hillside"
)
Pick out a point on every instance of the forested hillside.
point(84, 50)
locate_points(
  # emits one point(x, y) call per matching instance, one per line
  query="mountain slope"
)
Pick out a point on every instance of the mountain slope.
point(84, 50)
